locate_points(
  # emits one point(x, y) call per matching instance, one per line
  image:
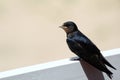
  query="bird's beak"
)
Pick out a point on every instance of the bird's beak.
point(63, 27)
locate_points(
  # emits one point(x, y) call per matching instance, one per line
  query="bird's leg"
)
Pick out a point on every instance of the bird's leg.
point(75, 59)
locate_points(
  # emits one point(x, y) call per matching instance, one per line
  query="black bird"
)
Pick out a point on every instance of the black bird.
point(84, 48)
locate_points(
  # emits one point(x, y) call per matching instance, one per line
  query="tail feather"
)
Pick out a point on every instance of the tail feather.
point(110, 74)
point(107, 63)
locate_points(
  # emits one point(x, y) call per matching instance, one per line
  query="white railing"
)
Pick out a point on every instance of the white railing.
point(65, 70)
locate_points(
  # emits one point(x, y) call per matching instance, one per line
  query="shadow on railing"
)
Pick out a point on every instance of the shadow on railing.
point(64, 70)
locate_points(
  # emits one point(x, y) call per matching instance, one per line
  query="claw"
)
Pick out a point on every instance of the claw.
point(75, 59)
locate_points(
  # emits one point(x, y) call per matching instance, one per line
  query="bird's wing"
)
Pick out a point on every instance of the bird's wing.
point(73, 46)
point(87, 45)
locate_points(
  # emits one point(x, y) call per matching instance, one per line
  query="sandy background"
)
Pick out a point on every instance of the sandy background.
point(29, 32)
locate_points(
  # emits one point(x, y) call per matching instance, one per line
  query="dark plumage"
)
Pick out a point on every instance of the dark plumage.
point(85, 48)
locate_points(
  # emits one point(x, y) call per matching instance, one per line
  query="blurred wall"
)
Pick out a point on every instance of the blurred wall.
point(29, 32)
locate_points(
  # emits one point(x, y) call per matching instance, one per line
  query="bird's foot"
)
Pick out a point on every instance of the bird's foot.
point(75, 59)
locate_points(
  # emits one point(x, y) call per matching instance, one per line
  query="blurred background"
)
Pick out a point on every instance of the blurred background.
point(29, 32)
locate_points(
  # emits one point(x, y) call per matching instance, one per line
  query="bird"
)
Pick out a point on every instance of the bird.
point(84, 48)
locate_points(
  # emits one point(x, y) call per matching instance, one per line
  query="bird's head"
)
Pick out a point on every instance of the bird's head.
point(69, 27)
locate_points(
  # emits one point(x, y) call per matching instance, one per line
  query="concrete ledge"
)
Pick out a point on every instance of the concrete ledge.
point(59, 70)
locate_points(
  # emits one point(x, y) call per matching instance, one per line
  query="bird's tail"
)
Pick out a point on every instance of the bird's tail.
point(107, 63)
point(110, 74)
